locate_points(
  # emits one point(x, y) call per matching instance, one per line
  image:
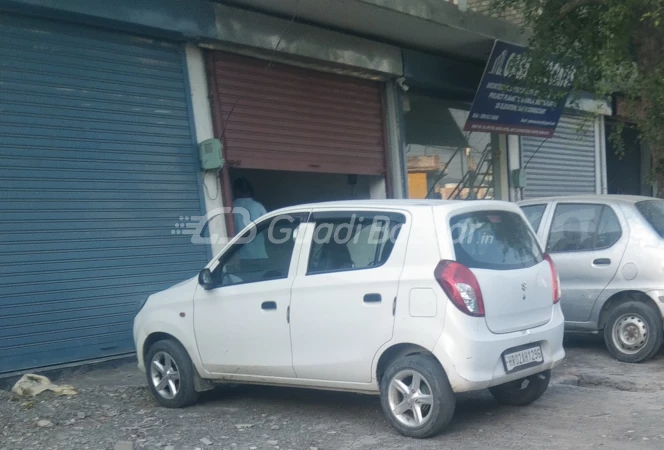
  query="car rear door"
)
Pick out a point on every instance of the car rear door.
point(503, 253)
point(587, 243)
point(343, 297)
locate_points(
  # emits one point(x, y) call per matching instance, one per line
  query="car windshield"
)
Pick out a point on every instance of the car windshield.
point(653, 212)
point(498, 240)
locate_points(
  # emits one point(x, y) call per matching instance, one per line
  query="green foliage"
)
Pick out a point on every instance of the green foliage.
point(618, 46)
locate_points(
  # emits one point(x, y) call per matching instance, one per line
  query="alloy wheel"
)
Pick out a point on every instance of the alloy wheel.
point(165, 375)
point(410, 398)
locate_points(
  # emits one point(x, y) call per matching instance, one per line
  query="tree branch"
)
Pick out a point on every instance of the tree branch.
point(575, 4)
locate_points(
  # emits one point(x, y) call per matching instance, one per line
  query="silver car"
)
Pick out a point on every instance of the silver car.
point(609, 251)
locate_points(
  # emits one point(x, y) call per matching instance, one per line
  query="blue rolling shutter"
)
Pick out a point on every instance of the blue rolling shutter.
point(97, 163)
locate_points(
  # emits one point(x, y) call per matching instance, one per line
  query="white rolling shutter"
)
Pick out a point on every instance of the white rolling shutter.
point(564, 164)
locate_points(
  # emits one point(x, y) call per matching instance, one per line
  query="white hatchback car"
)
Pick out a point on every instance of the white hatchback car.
point(412, 300)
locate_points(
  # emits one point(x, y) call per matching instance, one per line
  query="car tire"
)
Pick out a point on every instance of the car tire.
point(170, 374)
point(522, 392)
point(633, 332)
point(416, 396)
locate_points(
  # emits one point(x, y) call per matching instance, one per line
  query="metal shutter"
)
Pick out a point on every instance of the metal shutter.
point(564, 164)
point(280, 117)
point(97, 163)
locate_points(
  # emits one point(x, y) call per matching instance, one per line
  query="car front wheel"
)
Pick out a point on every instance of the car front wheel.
point(170, 374)
point(416, 396)
point(522, 392)
point(633, 332)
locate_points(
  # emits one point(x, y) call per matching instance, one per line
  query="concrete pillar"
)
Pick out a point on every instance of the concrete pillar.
point(204, 130)
point(395, 141)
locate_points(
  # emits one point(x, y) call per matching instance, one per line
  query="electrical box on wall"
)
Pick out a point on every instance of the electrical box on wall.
point(519, 178)
point(210, 154)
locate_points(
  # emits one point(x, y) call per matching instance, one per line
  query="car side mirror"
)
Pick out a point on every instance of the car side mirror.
point(205, 279)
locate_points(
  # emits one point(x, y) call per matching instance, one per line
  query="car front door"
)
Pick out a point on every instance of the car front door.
point(241, 322)
point(586, 242)
point(342, 308)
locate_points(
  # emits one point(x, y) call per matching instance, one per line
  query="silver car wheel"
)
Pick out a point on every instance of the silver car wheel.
point(165, 375)
point(410, 398)
point(630, 333)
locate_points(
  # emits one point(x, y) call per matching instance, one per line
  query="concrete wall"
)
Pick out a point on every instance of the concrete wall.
point(484, 7)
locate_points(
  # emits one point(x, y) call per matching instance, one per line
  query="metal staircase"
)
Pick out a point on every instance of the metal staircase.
point(477, 181)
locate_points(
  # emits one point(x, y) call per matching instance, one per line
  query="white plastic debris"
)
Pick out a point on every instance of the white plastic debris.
point(31, 385)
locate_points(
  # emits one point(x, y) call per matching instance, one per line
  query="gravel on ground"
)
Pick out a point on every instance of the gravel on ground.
point(594, 402)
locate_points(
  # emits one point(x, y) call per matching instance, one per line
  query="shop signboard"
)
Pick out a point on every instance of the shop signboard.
point(509, 102)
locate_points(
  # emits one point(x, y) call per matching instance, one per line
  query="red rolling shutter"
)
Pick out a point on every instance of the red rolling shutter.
point(281, 117)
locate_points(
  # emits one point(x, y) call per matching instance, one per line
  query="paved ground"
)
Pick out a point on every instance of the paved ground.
point(594, 402)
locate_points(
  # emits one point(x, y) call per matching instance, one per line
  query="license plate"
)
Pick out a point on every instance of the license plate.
point(522, 359)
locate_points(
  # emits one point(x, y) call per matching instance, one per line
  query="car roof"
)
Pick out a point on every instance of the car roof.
point(630, 199)
point(404, 204)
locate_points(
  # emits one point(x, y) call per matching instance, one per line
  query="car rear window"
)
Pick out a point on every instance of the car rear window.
point(496, 240)
point(653, 212)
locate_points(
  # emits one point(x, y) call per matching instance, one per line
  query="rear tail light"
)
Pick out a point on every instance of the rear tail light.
point(557, 293)
point(461, 286)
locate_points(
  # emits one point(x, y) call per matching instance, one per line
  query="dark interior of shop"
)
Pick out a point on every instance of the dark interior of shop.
point(277, 189)
point(625, 171)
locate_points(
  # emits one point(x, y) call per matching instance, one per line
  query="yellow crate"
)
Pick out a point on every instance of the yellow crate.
point(417, 185)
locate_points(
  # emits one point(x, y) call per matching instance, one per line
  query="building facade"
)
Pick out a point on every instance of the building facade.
point(104, 105)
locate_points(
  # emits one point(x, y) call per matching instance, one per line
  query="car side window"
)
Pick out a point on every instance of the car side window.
point(534, 214)
point(352, 241)
point(583, 227)
point(263, 253)
point(609, 231)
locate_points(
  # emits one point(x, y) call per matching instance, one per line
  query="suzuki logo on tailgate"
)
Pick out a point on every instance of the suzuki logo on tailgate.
point(524, 286)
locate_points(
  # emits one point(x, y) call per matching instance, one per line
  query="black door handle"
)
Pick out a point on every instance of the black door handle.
point(373, 298)
point(602, 262)
point(269, 305)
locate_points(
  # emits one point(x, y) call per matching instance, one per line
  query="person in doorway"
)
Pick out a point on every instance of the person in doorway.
point(251, 210)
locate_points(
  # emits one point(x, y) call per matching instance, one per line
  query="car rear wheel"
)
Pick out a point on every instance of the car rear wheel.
point(633, 332)
point(170, 374)
point(416, 396)
point(522, 392)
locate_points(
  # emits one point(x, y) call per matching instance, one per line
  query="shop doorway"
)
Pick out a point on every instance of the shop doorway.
point(624, 167)
point(297, 135)
point(276, 189)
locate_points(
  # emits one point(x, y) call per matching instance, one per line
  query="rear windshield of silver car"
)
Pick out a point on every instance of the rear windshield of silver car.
point(653, 212)
point(495, 240)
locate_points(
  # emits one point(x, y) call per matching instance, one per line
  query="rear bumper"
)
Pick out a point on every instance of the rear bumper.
point(472, 355)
